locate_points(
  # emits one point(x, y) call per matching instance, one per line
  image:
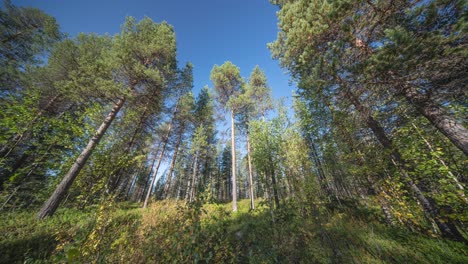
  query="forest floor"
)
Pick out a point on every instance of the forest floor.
point(170, 232)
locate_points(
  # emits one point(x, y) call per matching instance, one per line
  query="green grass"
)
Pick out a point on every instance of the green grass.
point(170, 232)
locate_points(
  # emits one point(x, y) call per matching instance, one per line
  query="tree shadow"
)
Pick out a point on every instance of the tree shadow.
point(37, 246)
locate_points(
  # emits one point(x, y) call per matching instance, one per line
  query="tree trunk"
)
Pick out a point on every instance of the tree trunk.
point(398, 161)
point(142, 196)
point(150, 187)
point(318, 165)
point(153, 179)
point(194, 178)
point(251, 186)
point(167, 185)
point(188, 188)
point(155, 173)
point(6, 149)
point(233, 149)
point(446, 124)
point(442, 162)
point(271, 171)
point(274, 183)
point(49, 207)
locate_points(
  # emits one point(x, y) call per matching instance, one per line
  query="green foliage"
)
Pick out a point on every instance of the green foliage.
point(173, 232)
point(26, 33)
point(227, 83)
point(368, 72)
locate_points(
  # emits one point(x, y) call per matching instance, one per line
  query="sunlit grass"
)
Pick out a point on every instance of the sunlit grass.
point(171, 231)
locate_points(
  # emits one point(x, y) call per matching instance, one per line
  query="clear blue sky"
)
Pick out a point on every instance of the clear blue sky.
point(208, 31)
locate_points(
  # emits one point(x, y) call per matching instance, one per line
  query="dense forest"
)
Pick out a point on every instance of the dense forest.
point(108, 155)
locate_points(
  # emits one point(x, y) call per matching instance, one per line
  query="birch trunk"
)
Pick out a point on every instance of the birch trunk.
point(446, 124)
point(233, 155)
point(251, 186)
point(398, 161)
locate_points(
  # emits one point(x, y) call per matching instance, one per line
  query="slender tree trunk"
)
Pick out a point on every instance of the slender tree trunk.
point(274, 183)
point(251, 186)
point(141, 199)
point(271, 171)
point(131, 185)
point(6, 149)
point(441, 161)
point(398, 161)
point(155, 173)
point(9, 197)
point(318, 165)
point(446, 124)
point(150, 187)
point(234, 179)
point(153, 178)
point(167, 185)
point(179, 189)
point(384, 203)
point(188, 189)
point(49, 207)
point(194, 178)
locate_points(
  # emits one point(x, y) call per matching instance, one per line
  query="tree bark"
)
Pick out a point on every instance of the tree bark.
point(150, 187)
point(251, 186)
point(194, 178)
point(188, 188)
point(155, 173)
point(51, 205)
point(446, 124)
point(398, 161)
point(233, 149)
point(442, 162)
point(142, 196)
point(318, 165)
point(167, 185)
point(274, 183)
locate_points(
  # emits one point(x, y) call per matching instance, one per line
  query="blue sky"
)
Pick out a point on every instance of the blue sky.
point(208, 31)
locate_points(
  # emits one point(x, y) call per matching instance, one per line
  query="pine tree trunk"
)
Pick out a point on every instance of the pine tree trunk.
point(150, 187)
point(194, 178)
point(132, 184)
point(155, 173)
point(233, 149)
point(318, 165)
point(142, 196)
point(398, 161)
point(49, 207)
point(167, 185)
point(251, 186)
point(153, 178)
point(446, 124)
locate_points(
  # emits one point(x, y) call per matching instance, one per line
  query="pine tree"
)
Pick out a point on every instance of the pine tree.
point(228, 83)
point(135, 56)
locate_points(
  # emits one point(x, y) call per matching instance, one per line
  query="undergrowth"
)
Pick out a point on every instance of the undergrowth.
point(173, 232)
